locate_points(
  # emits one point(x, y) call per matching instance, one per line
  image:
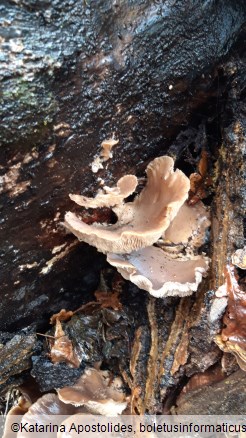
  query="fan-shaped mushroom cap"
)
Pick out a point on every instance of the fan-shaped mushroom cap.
point(20, 409)
point(39, 413)
point(93, 391)
point(189, 226)
point(107, 146)
point(48, 404)
point(141, 222)
point(112, 196)
point(153, 270)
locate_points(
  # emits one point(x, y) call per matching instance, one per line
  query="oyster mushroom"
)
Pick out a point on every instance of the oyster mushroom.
point(111, 196)
point(107, 146)
point(39, 413)
point(94, 391)
point(141, 222)
point(20, 409)
point(153, 270)
point(189, 226)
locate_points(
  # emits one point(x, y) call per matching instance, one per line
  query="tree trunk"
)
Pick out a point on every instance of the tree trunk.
point(163, 78)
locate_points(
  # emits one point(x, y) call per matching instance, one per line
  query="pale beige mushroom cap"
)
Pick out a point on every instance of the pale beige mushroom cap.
point(189, 226)
point(151, 269)
point(48, 404)
point(94, 391)
point(111, 196)
point(141, 222)
point(18, 411)
point(40, 413)
point(107, 146)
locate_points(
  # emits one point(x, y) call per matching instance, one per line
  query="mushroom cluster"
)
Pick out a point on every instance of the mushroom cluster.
point(158, 216)
point(105, 154)
point(94, 393)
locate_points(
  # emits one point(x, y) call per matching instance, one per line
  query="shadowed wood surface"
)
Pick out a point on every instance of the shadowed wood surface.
point(72, 76)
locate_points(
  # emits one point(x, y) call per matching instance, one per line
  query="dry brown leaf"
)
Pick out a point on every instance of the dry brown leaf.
point(62, 348)
point(63, 315)
point(203, 164)
point(108, 299)
point(200, 180)
point(233, 336)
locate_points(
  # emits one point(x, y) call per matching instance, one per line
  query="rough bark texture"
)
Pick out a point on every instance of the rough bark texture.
point(214, 398)
point(84, 63)
point(166, 79)
point(228, 228)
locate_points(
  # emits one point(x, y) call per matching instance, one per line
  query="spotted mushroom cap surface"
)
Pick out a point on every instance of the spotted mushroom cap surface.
point(152, 269)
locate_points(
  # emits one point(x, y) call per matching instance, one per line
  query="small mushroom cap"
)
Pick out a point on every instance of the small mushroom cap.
point(90, 386)
point(22, 407)
point(113, 196)
point(40, 413)
point(189, 226)
point(93, 391)
point(48, 404)
point(141, 222)
point(18, 410)
point(107, 146)
point(153, 270)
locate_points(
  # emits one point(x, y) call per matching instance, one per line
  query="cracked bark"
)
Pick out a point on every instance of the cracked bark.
point(114, 70)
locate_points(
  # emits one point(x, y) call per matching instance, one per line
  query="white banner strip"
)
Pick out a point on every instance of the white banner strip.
point(129, 426)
